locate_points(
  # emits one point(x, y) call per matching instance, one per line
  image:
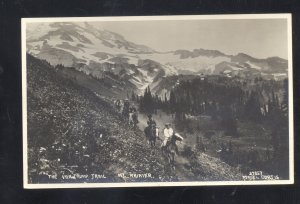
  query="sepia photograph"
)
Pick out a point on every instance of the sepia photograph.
point(191, 100)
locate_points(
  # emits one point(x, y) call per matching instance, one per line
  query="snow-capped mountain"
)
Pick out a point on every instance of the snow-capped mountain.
point(81, 40)
point(95, 51)
point(92, 51)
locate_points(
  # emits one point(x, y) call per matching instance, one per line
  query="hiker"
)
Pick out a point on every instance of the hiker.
point(151, 131)
point(168, 132)
point(133, 116)
point(150, 121)
point(126, 108)
point(169, 147)
point(118, 105)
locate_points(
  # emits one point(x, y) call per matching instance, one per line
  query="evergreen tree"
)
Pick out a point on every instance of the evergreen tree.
point(147, 102)
point(285, 100)
point(133, 96)
point(252, 108)
point(172, 102)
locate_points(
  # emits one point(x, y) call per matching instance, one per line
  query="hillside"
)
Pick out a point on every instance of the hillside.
point(72, 133)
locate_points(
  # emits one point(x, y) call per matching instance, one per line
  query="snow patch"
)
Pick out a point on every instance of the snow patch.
point(253, 65)
point(173, 62)
point(130, 71)
point(234, 68)
point(227, 71)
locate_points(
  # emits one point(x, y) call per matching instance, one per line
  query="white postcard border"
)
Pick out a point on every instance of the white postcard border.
point(158, 184)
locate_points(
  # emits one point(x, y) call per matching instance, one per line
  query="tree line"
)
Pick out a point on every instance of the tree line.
point(229, 101)
point(225, 99)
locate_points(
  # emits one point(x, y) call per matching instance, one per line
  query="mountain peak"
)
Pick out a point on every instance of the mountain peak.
point(241, 54)
point(276, 58)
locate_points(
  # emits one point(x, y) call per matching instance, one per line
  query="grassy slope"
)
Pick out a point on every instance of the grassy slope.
point(71, 130)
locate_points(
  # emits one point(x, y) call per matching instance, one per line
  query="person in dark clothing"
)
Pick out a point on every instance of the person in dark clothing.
point(150, 121)
point(126, 108)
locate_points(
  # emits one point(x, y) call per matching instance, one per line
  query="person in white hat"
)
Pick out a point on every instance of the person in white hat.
point(168, 132)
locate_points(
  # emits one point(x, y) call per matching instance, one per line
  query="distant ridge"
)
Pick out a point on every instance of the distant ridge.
point(93, 51)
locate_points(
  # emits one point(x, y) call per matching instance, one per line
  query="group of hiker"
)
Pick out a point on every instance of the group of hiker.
point(169, 147)
point(127, 111)
point(130, 112)
point(168, 132)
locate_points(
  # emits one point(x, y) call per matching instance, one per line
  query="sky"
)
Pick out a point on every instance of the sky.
point(259, 38)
